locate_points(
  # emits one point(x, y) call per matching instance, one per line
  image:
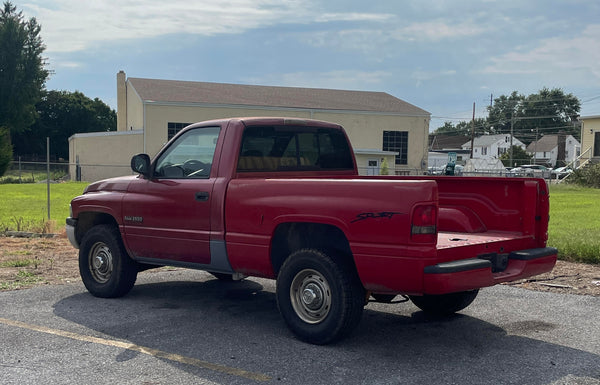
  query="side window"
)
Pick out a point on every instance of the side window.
point(190, 156)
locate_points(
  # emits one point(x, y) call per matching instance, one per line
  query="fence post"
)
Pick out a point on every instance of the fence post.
point(48, 172)
point(77, 169)
point(20, 169)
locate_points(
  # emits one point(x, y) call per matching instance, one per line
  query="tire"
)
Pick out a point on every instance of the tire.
point(444, 304)
point(106, 269)
point(320, 300)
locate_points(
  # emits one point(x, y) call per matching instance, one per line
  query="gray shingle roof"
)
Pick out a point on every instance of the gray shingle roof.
point(173, 91)
point(546, 144)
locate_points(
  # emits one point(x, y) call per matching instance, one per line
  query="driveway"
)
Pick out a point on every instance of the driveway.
point(183, 327)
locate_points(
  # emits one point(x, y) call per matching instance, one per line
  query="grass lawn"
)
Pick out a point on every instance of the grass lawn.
point(575, 223)
point(574, 215)
point(23, 207)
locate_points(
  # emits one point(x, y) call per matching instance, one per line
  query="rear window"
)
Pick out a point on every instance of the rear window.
point(288, 148)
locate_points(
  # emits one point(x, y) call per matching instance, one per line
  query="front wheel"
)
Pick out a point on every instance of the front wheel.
point(319, 299)
point(444, 304)
point(106, 269)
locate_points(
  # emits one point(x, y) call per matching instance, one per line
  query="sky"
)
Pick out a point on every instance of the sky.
point(441, 56)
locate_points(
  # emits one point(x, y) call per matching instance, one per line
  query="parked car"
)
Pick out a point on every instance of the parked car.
point(532, 170)
point(561, 172)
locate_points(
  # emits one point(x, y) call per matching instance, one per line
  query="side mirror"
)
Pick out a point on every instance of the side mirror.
point(140, 163)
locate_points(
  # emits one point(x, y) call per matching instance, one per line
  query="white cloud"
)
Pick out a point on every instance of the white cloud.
point(575, 58)
point(352, 16)
point(74, 25)
point(437, 30)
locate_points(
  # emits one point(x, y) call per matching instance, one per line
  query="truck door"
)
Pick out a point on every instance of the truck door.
point(167, 217)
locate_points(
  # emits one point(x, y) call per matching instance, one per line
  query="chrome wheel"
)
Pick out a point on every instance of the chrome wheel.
point(310, 296)
point(100, 262)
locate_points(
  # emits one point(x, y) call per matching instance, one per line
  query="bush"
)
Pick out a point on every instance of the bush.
point(587, 176)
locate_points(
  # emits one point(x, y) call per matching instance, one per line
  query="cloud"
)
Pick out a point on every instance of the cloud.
point(437, 30)
point(576, 58)
point(352, 16)
point(74, 25)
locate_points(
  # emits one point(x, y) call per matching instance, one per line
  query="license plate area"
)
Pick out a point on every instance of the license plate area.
point(499, 261)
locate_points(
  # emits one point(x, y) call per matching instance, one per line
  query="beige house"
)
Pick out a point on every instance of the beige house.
point(150, 112)
point(590, 139)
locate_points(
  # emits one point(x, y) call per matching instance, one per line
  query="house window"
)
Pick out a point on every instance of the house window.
point(397, 141)
point(174, 128)
point(484, 151)
point(502, 151)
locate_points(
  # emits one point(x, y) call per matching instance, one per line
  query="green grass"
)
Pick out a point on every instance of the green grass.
point(23, 207)
point(17, 263)
point(575, 223)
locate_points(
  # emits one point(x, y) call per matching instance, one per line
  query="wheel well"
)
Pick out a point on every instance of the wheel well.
point(87, 220)
point(289, 237)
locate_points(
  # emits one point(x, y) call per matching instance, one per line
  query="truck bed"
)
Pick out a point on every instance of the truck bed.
point(488, 239)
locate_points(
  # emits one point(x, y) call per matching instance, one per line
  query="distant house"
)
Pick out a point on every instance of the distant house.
point(441, 145)
point(590, 138)
point(492, 146)
point(547, 150)
point(150, 112)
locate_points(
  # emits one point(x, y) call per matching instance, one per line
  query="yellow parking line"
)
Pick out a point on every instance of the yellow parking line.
point(142, 349)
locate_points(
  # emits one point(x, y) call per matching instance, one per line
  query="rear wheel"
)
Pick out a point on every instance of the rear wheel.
point(444, 304)
point(106, 269)
point(319, 299)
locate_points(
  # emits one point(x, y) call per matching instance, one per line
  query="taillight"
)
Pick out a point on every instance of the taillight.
point(424, 224)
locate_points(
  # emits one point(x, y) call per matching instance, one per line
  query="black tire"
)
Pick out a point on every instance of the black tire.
point(106, 269)
point(334, 290)
point(444, 304)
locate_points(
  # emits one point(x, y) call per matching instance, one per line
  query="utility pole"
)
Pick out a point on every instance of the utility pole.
point(512, 124)
point(473, 130)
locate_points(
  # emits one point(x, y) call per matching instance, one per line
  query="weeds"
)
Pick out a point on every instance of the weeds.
point(17, 263)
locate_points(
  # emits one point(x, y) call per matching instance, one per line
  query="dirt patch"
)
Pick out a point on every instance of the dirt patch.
point(26, 262)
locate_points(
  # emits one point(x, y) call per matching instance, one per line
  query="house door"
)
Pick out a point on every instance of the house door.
point(372, 166)
point(597, 144)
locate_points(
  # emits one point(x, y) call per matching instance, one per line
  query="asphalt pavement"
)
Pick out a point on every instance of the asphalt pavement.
point(184, 327)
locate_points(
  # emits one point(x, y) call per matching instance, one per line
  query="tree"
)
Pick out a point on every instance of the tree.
point(464, 128)
point(22, 73)
point(5, 151)
point(519, 157)
point(547, 112)
point(62, 114)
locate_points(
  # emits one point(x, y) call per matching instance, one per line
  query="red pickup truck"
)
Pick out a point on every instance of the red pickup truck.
point(282, 199)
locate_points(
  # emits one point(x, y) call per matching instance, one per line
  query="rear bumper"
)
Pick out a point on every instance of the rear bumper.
point(475, 273)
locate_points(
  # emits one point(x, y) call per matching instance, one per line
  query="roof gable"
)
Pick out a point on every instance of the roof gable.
point(446, 142)
point(185, 92)
point(488, 140)
point(545, 144)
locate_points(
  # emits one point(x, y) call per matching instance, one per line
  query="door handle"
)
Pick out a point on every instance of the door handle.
point(202, 196)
